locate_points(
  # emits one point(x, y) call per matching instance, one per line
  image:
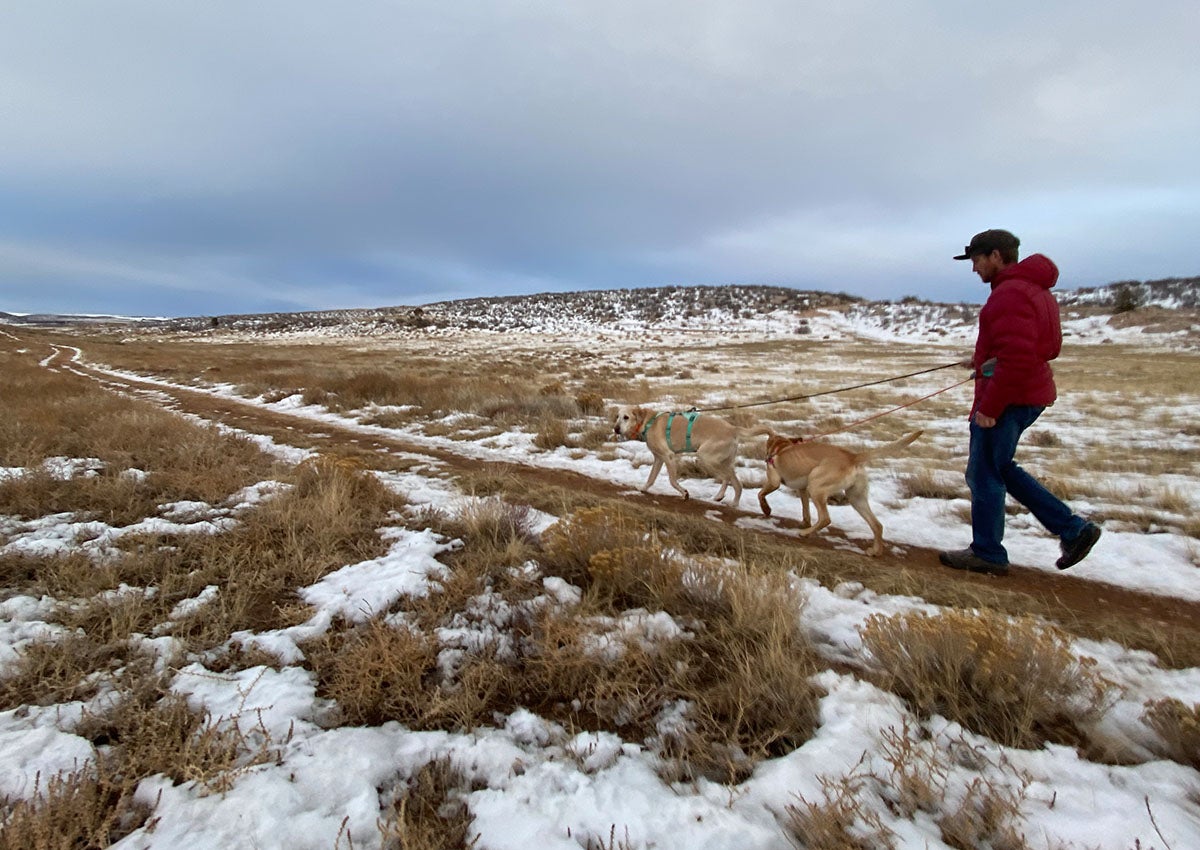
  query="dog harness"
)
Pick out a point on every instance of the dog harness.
point(691, 416)
point(792, 442)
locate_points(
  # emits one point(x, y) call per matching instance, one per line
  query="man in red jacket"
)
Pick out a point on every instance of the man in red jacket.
point(1019, 334)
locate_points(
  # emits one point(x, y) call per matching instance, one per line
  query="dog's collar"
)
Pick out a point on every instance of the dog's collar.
point(646, 427)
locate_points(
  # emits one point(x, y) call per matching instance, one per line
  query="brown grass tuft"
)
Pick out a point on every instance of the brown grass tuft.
point(1178, 727)
point(84, 809)
point(1014, 680)
point(930, 484)
point(429, 812)
point(569, 544)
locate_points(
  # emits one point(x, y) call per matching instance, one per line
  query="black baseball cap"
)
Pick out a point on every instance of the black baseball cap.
point(989, 241)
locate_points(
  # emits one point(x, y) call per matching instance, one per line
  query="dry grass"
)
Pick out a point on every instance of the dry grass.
point(743, 668)
point(84, 809)
point(932, 484)
point(1178, 727)
point(551, 433)
point(1013, 680)
point(49, 414)
point(142, 734)
point(49, 672)
point(915, 784)
point(145, 733)
point(736, 675)
point(429, 812)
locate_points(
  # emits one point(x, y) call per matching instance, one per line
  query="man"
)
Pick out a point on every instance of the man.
point(1019, 334)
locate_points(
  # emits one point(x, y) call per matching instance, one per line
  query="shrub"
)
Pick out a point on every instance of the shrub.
point(551, 433)
point(569, 544)
point(1178, 726)
point(988, 813)
point(1014, 680)
point(635, 576)
point(1128, 297)
point(590, 403)
point(928, 484)
point(86, 808)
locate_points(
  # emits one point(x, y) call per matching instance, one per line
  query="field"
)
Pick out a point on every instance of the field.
point(305, 591)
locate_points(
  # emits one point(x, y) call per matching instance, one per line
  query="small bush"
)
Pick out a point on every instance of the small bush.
point(551, 433)
point(84, 809)
point(569, 544)
point(928, 484)
point(590, 403)
point(145, 734)
point(635, 576)
point(988, 814)
point(376, 673)
point(1044, 438)
point(1013, 680)
point(383, 672)
point(56, 671)
point(1128, 297)
point(1178, 726)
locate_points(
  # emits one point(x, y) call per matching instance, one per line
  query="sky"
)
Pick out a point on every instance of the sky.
point(537, 784)
point(182, 159)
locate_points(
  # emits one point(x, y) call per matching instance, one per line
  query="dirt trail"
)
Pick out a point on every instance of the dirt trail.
point(1074, 597)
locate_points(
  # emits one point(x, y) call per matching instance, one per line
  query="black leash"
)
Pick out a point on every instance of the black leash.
point(830, 392)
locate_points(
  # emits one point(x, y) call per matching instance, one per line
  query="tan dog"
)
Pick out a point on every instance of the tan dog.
point(712, 438)
point(822, 470)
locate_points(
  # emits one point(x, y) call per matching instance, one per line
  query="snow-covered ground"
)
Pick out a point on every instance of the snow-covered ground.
point(544, 786)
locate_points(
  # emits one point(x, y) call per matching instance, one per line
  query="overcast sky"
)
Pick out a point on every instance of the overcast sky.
point(196, 158)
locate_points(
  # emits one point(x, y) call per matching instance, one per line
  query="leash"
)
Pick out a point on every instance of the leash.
point(793, 441)
point(838, 390)
point(858, 422)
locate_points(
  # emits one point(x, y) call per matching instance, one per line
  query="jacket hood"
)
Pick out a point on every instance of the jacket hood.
point(1038, 269)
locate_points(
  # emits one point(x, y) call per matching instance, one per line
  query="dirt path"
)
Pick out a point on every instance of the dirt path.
point(1074, 597)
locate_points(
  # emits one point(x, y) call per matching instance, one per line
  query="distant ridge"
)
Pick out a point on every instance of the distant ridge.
point(702, 307)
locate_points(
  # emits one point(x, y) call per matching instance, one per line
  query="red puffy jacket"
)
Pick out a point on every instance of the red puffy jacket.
point(1019, 326)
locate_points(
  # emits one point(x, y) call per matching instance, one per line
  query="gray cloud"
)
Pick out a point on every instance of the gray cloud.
point(302, 155)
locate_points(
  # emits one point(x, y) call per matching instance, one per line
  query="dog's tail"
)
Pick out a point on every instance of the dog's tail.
point(756, 431)
point(890, 449)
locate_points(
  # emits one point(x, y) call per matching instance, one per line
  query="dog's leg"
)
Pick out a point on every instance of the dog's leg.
point(856, 494)
point(673, 476)
point(729, 477)
point(821, 500)
point(771, 486)
point(654, 469)
point(803, 491)
point(737, 486)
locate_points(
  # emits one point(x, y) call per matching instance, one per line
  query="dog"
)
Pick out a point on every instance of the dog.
point(712, 438)
point(821, 470)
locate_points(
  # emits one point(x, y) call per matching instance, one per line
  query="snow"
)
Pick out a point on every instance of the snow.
point(539, 785)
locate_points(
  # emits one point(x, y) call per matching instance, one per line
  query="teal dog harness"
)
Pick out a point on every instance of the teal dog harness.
point(691, 417)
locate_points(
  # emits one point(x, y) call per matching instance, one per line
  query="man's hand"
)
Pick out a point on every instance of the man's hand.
point(984, 421)
point(968, 363)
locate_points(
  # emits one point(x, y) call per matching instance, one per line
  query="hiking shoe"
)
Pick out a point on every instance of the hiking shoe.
point(1074, 551)
point(966, 559)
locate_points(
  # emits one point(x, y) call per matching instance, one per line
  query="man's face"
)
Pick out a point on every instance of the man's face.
point(986, 265)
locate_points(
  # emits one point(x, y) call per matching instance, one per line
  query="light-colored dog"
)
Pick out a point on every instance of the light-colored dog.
point(821, 470)
point(712, 438)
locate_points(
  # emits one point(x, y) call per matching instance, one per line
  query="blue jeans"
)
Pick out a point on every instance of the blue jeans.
point(992, 473)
